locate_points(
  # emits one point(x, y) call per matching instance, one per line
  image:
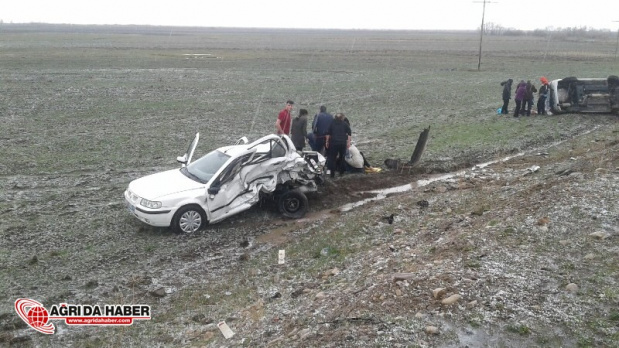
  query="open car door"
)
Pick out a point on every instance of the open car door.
point(185, 159)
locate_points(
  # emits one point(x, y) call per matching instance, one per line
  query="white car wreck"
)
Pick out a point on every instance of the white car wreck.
point(584, 95)
point(225, 182)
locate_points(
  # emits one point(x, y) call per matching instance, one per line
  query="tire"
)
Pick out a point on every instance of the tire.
point(293, 204)
point(188, 219)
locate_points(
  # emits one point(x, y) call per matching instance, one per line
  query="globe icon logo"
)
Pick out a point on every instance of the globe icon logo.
point(37, 316)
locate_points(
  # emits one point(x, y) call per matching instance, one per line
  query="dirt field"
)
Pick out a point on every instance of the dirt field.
point(521, 252)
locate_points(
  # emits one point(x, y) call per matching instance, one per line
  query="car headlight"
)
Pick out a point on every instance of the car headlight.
point(150, 204)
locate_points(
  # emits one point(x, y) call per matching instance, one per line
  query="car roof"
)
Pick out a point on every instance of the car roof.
point(262, 145)
point(233, 150)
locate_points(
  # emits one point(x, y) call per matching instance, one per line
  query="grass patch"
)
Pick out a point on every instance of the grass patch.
point(519, 329)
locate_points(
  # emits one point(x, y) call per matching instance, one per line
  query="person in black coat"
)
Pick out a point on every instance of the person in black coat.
point(298, 130)
point(507, 95)
point(528, 97)
point(338, 139)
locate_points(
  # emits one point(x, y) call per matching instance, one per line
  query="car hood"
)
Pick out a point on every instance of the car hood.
point(155, 186)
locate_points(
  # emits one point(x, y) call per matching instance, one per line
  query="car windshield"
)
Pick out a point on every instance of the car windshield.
point(203, 169)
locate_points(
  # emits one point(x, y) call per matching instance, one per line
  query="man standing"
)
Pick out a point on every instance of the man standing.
point(298, 131)
point(543, 95)
point(320, 127)
point(521, 90)
point(338, 139)
point(507, 95)
point(284, 120)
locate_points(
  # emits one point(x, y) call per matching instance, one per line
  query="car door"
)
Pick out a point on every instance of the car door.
point(272, 156)
point(226, 193)
point(186, 158)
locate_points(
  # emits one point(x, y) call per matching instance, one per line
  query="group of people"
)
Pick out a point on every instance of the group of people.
point(525, 97)
point(330, 135)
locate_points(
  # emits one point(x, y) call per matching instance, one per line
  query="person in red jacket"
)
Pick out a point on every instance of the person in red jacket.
point(284, 120)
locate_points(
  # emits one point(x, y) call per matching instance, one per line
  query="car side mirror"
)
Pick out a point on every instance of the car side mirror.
point(182, 159)
point(213, 190)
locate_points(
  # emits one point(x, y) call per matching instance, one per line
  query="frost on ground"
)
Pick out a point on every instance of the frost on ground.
point(518, 253)
point(521, 252)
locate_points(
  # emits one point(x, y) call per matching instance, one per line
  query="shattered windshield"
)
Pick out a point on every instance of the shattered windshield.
point(203, 169)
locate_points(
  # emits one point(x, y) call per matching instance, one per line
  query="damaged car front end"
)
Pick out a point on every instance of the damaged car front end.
point(225, 182)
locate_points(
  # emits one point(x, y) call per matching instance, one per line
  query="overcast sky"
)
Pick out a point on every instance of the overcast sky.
point(338, 14)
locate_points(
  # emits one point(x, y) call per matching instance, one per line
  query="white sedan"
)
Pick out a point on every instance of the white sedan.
point(227, 181)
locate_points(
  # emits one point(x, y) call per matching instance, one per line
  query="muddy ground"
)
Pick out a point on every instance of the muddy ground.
point(525, 248)
point(521, 252)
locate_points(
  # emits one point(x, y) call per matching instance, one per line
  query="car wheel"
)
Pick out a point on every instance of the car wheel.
point(293, 204)
point(188, 219)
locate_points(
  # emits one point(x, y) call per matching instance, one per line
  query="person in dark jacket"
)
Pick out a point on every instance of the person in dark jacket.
point(528, 98)
point(521, 90)
point(298, 130)
point(543, 96)
point(507, 95)
point(337, 140)
point(320, 125)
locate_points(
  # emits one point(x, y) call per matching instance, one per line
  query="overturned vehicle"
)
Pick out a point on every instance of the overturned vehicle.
point(584, 95)
point(227, 181)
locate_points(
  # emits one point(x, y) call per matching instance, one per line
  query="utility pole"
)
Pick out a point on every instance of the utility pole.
point(481, 31)
point(617, 45)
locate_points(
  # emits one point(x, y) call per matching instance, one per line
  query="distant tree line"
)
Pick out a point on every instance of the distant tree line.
point(556, 33)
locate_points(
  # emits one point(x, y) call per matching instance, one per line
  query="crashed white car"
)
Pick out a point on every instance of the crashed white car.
point(584, 95)
point(225, 182)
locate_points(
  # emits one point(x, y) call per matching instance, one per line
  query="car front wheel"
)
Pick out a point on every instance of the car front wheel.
point(188, 219)
point(293, 204)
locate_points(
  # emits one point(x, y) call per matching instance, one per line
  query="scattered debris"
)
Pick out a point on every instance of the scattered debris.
point(225, 329)
point(389, 219)
point(281, 257)
point(415, 157)
point(423, 203)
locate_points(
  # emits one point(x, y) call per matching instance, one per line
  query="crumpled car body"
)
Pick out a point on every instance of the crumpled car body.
point(584, 95)
point(225, 182)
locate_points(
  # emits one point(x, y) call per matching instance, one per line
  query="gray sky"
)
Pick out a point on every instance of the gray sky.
point(338, 14)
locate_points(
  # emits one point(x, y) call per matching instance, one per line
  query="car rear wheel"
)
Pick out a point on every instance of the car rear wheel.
point(293, 204)
point(188, 219)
